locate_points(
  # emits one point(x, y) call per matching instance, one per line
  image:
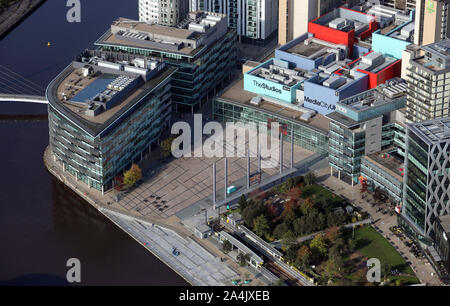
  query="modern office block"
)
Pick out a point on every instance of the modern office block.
point(235, 104)
point(384, 170)
point(427, 176)
point(428, 75)
point(432, 22)
point(201, 47)
point(164, 12)
point(365, 124)
point(105, 115)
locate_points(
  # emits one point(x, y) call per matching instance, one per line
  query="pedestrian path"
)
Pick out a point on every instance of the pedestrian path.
point(194, 263)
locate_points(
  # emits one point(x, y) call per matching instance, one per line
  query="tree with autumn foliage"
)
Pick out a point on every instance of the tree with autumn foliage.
point(307, 205)
point(133, 175)
point(295, 193)
point(303, 257)
point(332, 234)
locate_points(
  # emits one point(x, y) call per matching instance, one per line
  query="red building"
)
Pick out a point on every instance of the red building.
point(343, 26)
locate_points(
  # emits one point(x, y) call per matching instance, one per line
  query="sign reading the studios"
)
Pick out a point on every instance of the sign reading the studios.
point(320, 103)
point(267, 87)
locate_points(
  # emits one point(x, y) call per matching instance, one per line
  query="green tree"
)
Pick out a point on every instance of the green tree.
point(288, 240)
point(133, 175)
point(300, 227)
point(242, 259)
point(261, 226)
point(251, 211)
point(166, 146)
point(279, 230)
point(242, 202)
point(318, 245)
point(310, 178)
point(227, 246)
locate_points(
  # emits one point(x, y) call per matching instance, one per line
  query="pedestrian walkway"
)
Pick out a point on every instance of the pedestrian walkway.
point(192, 262)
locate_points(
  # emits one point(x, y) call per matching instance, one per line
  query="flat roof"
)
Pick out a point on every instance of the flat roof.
point(388, 162)
point(306, 50)
point(236, 93)
point(241, 246)
point(95, 125)
point(433, 131)
point(109, 39)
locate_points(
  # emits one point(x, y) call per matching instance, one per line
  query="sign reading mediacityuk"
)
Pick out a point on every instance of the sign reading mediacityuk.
point(324, 107)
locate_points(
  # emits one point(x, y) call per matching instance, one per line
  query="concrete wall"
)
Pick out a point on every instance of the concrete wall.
point(388, 45)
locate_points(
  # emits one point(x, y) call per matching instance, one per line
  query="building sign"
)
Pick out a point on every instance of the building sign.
point(266, 86)
point(325, 106)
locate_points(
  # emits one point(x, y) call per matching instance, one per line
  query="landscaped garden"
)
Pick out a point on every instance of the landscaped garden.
point(308, 220)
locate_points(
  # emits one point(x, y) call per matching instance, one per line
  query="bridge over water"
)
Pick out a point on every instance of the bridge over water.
point(23, 98)
point(17, 88)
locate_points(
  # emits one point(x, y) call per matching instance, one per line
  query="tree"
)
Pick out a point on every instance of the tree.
point(288, 240)
point(303, 257)
point(242, 259)
point(290, 183)
point(310, 178)
point(166, 146)
point(295, 193)
point(260, 226)
point(318, 245)
point(251, 211)
point(304, 251)
point(306, 206)
point(279, 230)
point(332, 234)
point(132, 176)
point(227, 246)
point(242, 202)
point(300, 227)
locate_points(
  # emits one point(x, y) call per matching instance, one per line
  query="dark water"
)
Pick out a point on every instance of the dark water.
point(42, 223)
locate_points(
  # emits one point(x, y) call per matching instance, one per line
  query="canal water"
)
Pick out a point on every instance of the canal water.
point(42, 223)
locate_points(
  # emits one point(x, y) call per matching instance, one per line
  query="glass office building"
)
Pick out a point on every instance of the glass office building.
point(106, 115)
point(427, 181)
point(202, 49)
point(234, 105)
point(364, 124)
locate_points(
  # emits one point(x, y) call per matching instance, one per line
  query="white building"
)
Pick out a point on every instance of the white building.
point(165, 12)
point(253, 19)
point(149, 10)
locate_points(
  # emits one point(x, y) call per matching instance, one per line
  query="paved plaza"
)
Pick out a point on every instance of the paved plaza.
point(182, 182)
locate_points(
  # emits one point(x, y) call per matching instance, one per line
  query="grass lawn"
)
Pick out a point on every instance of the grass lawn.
point(373, 245)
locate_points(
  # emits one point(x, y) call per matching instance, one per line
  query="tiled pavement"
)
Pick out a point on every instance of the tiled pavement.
point(185, 181)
